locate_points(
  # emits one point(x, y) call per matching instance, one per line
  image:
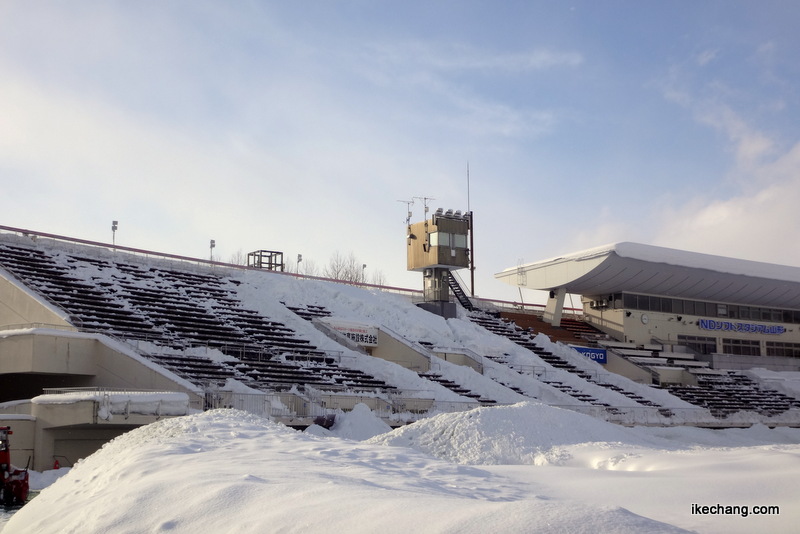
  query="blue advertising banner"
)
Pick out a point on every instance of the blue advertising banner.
point(598, 355)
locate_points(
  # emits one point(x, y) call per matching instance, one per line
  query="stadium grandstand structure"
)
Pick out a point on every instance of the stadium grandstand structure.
point(97, 323)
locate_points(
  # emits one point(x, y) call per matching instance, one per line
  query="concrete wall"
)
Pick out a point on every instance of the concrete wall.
point(619, 365)
point(81, 362)
point(22, 439)
point(57, 415)
point(394, 350)
point(71, 431)
point(17, 308)
point(47, 354)
point(459, 358)
point(72, 444)
point(675, 375)
point(113, 369)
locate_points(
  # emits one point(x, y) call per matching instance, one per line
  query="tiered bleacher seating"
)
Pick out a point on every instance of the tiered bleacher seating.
point(580, 329)
point(570, 330)
point(523, 338)
point(309, 311)
point(457, 388)
point(176, 309)
point(727, 392)
point(654, 356)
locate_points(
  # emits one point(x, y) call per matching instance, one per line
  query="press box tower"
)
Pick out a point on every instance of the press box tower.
point(435, 247)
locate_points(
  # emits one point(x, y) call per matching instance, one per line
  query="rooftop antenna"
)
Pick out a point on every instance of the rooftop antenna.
point(408, 204)
point(425, 201)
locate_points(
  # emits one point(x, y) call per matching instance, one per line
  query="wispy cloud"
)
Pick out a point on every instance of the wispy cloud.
point(460, 57)
point(751, 216)
point(750, 146)
point(706, 56)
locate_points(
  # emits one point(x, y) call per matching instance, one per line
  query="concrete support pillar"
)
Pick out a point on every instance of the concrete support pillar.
point(555, 306)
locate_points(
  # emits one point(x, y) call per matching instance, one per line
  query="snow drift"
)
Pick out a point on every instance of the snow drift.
point(228, 471)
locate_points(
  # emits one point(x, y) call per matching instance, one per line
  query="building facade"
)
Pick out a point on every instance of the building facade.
point(643, 295)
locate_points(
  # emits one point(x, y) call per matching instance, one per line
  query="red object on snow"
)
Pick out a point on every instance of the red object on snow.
point(56, 465)
point(14, 487)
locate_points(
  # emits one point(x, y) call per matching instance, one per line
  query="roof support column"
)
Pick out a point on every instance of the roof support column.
point(555, 306)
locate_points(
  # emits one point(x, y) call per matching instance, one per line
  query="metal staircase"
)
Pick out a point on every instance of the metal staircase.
point(459, 292)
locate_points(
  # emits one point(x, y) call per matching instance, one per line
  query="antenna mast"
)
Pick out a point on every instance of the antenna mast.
point(471, 240)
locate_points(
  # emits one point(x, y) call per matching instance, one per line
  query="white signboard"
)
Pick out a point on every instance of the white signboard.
point(363, 334)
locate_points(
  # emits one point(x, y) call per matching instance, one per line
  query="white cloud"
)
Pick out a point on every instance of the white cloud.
point(706, 56)
point(758, 221)
point(750, 146)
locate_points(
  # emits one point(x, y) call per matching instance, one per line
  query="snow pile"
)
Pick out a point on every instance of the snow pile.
point(358, 424)
point(524, 433)
point(228, 471)
point(38, 481)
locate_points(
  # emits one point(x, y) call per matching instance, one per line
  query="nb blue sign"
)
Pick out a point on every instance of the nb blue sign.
point(598, 355)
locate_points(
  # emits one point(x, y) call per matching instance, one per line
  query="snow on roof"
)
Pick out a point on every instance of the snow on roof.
point(676, 257)
point(647, 269)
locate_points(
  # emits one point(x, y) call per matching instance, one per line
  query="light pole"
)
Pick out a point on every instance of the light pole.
point(211, 250)
point(114, 226)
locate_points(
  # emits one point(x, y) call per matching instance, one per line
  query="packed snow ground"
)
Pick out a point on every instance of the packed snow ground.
point(521, 468)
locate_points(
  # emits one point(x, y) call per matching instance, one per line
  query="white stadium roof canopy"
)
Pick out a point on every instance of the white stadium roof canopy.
point(646, 269)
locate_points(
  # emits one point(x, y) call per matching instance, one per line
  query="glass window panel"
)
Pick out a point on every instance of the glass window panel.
point(460, 240)
point(440, 239)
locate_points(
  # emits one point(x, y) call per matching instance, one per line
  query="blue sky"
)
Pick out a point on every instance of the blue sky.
point(298, 126)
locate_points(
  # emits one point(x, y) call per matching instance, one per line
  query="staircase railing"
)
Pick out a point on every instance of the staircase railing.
point(458, 291)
